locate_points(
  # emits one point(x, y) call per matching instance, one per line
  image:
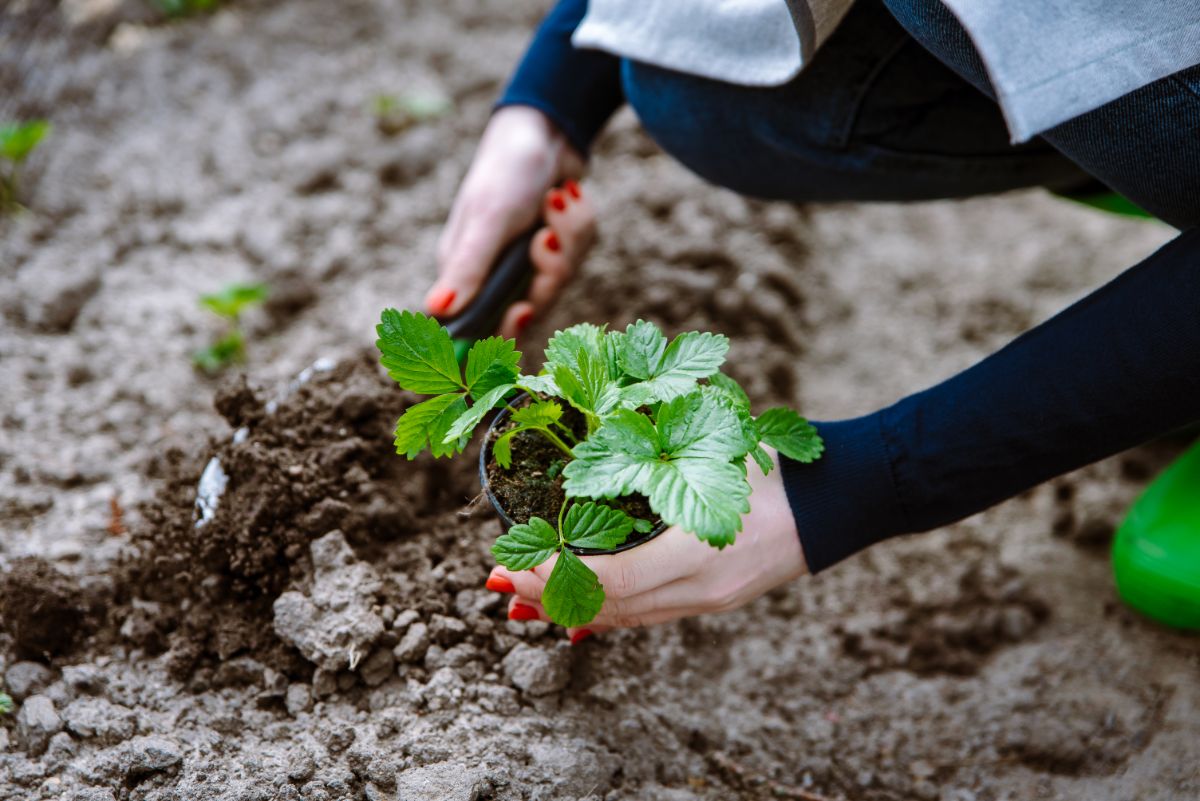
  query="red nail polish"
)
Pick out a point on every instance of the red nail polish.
point(500, 584)
point(441, 301)
point(580, 636)
point(552, 243)
point(524, 320)
point(572, 189)
point(557, 202)
point(522, 612)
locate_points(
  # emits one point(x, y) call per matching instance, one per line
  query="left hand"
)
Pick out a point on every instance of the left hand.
point(676, 575)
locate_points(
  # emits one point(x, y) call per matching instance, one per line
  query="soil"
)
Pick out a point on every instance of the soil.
point(532, 486)
point(326, 634)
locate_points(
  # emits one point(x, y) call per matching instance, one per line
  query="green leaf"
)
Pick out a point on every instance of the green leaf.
point(6, 704)
point(563, 348)
point(588, 387)
point(703, 496)
point(573, 595)
point(687, 359)
point(642, 526)
point(542, 384)
point(641, 350)
point(765, 463)
point(700, 425)
point(466, 422)
point(18, 140)
point(502, 447)
point(540, 414)
point(229, 349)
point(730, 388)
point(417, 353)
point(617, 460)
point(427, 422)
point(594, 525)
point(490, 363)
point(526, 545)
point(232, 300)
point(790, 434)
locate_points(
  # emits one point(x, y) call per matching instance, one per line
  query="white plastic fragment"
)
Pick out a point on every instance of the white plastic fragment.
point(209, 490)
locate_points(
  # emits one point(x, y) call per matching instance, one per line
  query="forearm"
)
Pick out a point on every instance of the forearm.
point(1120, 367)
point(577, 89)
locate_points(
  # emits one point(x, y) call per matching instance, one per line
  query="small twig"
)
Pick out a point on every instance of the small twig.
point(740, 775)
point(116, 517)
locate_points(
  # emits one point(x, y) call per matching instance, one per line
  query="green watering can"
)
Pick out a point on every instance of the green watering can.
point(1156, 552)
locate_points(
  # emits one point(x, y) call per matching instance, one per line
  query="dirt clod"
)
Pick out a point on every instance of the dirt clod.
point(45, 610)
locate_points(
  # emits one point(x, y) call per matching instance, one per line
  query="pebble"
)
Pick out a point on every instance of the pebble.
point(444, 690)
point(299, 698)
point(405, 619)
point(538, 671)
point(37, 722)
point(24, 679)
point(324, 683)
point(377, 667)
point(96, 718)
point(93, 794)
point(146, 755)
point(414, 643)
point(447, 630)
point(84, 678)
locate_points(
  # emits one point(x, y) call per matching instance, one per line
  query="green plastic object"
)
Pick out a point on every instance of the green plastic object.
point(1156, 553)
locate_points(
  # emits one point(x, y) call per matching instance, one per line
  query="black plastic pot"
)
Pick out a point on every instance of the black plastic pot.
point(635, 539)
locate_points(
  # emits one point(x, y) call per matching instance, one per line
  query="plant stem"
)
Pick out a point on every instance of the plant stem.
point(566, 433)
point(561, 540)
point(550, 435)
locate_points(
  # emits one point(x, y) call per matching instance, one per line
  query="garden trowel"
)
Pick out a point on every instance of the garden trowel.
point(506, 283)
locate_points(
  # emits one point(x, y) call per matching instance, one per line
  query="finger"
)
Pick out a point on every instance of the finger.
point(525, 609)
point(578, 634)
point(528, 584)
point(553, 268)
point(571, 214)
point(468, 254)
point(671, 555)
point(516, 319)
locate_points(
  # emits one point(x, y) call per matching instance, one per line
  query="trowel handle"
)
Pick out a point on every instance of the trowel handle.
point(506, 283)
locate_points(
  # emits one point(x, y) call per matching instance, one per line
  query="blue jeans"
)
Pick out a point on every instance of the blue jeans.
point(897, 106)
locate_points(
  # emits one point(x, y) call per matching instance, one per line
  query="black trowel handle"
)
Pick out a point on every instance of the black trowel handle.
point(507, 283)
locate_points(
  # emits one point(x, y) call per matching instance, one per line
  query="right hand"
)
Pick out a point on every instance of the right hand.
point(512, 182)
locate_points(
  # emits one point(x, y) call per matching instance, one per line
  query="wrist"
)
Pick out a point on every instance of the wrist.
point(529, 129)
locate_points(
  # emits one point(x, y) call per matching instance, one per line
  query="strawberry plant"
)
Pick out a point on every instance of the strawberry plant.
point(17, 141)
point(654, 418)
point(228, 304)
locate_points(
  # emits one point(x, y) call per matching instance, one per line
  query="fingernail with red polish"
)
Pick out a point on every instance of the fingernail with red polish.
point(500, 584)
point(441, 301)
point(572, 189)
point(524, 320)
point(557, 202)
point(552, 243)
point(522, 612)
point(580, 636)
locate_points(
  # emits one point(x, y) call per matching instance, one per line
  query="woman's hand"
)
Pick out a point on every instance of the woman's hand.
point(676, 575)
point(521, 158)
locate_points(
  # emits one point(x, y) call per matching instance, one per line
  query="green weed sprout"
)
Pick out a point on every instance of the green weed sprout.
point(17, 141)
point(662, 421)
point(228, 304)
point(6, 703)
point(185, 8)
point(395, 113)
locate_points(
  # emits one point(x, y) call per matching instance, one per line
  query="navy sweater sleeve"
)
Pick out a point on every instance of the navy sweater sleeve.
point(1116, 369)
point(577, 89)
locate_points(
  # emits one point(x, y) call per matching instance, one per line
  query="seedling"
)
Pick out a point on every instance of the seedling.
point(185, 8)
point(395, 113)
point(17, 141)
point(228, 304)
point(6, 703)
point(661, 421)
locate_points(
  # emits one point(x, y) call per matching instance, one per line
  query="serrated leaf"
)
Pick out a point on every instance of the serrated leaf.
point(543, 384)
point(466, 422)
point(641, 350)
point(538, 414)
point(700, 425)
point(502, 448)
point(526, 545)
point(587, 387)
point(417, 353)
point(617, 460)
point(686, 360)
point(703, 496)
point(642, 526)
point(730, 388)
point(563, 348)
point(573, 595)
point(594, 525)
point(790, 434)
point(426, 423)
point(490, 363)
point(765, 463)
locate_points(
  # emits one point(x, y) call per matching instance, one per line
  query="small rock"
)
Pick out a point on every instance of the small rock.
point(444, 690)
point(324, 683)
point(346, 680)
point(3, 739)
point(238, 672)
point(93, 794)
point(84, 678)
point(60, 751)
point(377, 667)
point(37, 722)
point(146, 755)
point(52, 301)
point(454, 657)
point(405, 619)
point(388, 615)
point(447, 630)
point(537, 671)
point(24, 679)
point(96, 718)
point(414, 643)
point(274, 684)
point(299, 698)
point(497, 699)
